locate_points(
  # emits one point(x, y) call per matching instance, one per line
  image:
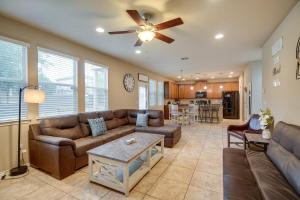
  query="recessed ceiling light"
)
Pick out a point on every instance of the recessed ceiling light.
point(229, 76)
point(183, 79)
point(212, 77)
point(138, 51)
point(221, 86)
point(179, 77)
point(219, 36)
point(100, 30)
point(197, 78)
point(231, 73)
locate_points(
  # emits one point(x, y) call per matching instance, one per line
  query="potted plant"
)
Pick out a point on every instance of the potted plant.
point(266, 121)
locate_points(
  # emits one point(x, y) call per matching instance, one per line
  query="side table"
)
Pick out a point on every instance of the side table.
point(256, 139)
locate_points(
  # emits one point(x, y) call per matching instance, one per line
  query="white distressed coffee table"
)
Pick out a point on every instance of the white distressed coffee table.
point(121, 166)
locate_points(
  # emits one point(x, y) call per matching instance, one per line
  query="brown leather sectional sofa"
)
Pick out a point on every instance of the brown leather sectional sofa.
point(274, 175)
point(58, 145)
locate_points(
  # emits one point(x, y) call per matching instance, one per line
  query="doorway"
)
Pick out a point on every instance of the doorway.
point(143, 95)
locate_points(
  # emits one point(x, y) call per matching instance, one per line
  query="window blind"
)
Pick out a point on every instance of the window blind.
point(13, 76)
point(57, 75)
point(160, 93)
point(96, 87)
point(152, 92)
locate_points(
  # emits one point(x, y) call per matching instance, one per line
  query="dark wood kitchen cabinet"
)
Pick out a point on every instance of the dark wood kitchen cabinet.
point(170, 90)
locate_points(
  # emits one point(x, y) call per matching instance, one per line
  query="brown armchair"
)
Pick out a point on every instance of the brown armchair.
point(238, 131)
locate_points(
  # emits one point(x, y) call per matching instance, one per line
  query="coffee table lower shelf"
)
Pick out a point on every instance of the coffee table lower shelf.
point(122, 176)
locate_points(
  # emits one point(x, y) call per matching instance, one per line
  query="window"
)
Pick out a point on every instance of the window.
point(152, 92)
point(13, 73)
point(96, 87)
point(160, 93)
point(57, 76)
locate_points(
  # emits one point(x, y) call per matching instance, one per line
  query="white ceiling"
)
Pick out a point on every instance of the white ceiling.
point(246, 25)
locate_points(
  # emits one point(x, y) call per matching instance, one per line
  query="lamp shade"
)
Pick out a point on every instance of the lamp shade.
point(34, 96)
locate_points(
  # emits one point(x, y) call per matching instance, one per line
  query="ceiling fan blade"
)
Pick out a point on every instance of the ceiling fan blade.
point(136, 16)
point(164, 38)
point(169, 24)
point(121, 32)
point(138, 43)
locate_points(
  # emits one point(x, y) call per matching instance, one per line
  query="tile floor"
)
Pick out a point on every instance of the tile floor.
point(192, 170)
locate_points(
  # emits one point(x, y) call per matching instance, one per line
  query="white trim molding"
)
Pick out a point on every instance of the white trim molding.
point(14, 41)
point(58, 53)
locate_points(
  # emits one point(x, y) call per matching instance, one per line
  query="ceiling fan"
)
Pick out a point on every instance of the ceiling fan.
point(147, 31)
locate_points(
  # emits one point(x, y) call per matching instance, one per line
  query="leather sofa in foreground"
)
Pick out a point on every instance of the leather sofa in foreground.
point(274, 175)
point(58, 145)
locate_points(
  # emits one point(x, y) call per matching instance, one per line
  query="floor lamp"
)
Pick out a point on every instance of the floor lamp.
point(32, 94)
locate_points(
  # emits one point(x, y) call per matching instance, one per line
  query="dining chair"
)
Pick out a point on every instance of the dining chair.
point(174, 114)
point(193, 113)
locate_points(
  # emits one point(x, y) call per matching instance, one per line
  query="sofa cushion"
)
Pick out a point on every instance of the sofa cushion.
point(239, 181)
point(87, 143)
point(122, 121)
point(111, 124)
point(84, 124)
point(98, 126)
point(107, 115)
point(142, 120)
point(121, 113)
point(269, 180)
point(155, 118)
point(132, 115)
point(284, 151)
point(63, 126)
point(122, 130)
point(121, 117)
point(167, 130)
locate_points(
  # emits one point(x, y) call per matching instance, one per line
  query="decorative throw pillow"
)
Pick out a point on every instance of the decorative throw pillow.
point(142, 120)
point(98, 126)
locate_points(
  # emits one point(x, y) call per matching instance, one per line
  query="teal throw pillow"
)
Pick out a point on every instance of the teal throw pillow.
point(142, 120)
point(98, 126)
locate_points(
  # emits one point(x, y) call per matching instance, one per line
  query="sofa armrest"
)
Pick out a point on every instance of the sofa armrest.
point(58, 141)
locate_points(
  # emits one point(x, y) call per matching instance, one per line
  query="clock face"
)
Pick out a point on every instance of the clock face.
point(128, 82)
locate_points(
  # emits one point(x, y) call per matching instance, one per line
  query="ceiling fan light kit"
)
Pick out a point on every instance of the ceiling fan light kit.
point(147, 31)
point(146, 35)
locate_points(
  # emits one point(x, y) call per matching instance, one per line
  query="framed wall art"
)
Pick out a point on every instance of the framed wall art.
point(143, 77)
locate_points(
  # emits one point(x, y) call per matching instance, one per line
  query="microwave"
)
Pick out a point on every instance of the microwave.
point(201, 94)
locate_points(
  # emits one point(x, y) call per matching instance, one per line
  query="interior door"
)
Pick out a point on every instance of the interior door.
point(143, 95)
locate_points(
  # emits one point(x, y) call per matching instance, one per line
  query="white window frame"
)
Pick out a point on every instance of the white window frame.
point(155, 93)
point(58, 53)
point(107, 75)
point(160, 96)
point(26, 47)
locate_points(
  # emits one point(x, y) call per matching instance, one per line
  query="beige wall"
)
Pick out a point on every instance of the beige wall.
point(253, 76)
point(118, 97)
point(284, 101)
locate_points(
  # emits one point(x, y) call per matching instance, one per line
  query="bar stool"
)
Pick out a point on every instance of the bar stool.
point(215, 113)
point(206, 113)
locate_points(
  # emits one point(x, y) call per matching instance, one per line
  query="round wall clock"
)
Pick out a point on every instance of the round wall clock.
point(128, 82)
